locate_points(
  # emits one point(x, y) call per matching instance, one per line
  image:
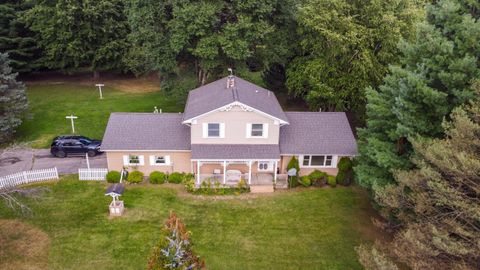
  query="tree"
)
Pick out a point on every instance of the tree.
point(346, 46)
point(437, 205)
point(88, 33)
point(16, 39)
point(212, 35)
point(434, 76)
point(13, 100)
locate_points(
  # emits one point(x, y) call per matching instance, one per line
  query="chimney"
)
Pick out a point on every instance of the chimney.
point(230, 82)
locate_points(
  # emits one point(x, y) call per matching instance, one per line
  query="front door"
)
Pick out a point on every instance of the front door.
point(265, 166)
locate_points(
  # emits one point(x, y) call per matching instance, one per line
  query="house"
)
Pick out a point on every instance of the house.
point(231, 129)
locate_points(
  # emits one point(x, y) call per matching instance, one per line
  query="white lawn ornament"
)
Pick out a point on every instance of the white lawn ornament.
point(100, 85)
point(71, 117)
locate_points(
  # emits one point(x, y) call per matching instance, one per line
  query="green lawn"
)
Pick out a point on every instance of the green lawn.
point(308, 229)
point(50, 103)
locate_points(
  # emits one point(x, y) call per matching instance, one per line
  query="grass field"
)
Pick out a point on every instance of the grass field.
point(50, 103)
point(307, 229)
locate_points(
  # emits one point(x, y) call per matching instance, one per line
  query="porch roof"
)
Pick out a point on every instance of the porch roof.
point(235, 151)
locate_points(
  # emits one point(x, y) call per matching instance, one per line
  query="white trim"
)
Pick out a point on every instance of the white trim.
point(249, 130)
point(333, 165)
point(139, 151)
point(235, 103)
point(153, 157)
point(236, 159)
point(221, 130)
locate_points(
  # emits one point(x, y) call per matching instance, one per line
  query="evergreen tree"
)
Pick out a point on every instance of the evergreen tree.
point(346, 46)
point(13, 100)
point(15, 38)
point(87, 33)
point(437, 205)
point(434, 76)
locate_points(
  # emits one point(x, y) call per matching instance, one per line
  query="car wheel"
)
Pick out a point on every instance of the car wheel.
point(61, 154)
point(92, 153)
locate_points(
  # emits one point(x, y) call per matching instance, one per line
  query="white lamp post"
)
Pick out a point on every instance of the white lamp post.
point(100, 85)
point(71, 117)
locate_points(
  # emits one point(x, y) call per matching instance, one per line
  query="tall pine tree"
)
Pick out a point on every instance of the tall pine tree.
point(13, 100)
point(435, 75)
point(15, 38)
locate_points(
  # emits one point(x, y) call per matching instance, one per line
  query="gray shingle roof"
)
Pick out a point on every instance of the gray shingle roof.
point(146, 131)
point(317, 133)
point(216, 94)
point(235, 151)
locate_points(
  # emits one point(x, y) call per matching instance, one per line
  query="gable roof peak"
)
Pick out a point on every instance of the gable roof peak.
point(218, 94)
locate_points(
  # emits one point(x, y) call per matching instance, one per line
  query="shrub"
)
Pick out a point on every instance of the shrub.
point(293, 180)
point(113, 177)
point(305, 181)
point(189, 184)
point(242, 184)
point(135, 177)
point(345, 164)
point(331, 181)
point(174, 250)
point(157, 177)
point(318, 178)
point(345, 171)
point(176, 178)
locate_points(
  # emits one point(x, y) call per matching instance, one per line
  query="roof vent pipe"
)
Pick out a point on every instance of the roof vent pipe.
point(230, 79)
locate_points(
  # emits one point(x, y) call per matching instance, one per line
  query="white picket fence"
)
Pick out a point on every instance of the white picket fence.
point(27, 177)
point(98, 174)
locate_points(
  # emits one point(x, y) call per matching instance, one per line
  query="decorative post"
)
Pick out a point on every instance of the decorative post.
point(224, 172)
point(275, 172)
point(198, 173)
point(249, 172)
point(100, 85)
point(71, 117)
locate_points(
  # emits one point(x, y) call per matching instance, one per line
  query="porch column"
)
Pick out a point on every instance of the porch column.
point(224, 172)
point(198, 172)
point(275, 172)
point(249, 172)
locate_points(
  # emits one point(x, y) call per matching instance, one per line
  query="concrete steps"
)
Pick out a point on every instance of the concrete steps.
point(262, 189)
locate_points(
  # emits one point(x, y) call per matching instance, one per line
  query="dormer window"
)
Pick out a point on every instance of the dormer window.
point(213, 130)
point(257, 130)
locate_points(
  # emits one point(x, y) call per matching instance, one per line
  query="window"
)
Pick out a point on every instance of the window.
point(257, 130)
point(132, 159)
point(213, 130)
point(159, 160)
point(317, 161)
point(265, 166)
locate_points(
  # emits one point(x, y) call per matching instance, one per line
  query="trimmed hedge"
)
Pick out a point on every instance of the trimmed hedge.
point(318, 178)
point(176, 178)
point(305, 181)
point(113, 177)
point(135, 177)
point(293, 180)
point(331, 181)
point(345, 171)
point(157, 177)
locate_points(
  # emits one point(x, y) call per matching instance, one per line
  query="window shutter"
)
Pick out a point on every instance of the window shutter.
point(265, 130)
point(126, 161)
point(222, 130)
point(249, 130)
point(300, 160)
point(167, 160)
point(152, 160)
point(140, 158)
point(205, 130)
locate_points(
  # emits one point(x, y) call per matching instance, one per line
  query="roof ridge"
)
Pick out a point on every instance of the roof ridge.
point(148, 113)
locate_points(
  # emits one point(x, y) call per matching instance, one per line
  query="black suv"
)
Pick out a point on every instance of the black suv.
point(74, 145)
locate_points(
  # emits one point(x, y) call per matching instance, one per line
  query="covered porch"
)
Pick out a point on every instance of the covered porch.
point(231, 172)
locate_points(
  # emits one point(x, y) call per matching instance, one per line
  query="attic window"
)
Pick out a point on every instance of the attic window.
point(257, 130)
point(213, 130)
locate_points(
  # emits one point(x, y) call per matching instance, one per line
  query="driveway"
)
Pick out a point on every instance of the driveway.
point(13, 160)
